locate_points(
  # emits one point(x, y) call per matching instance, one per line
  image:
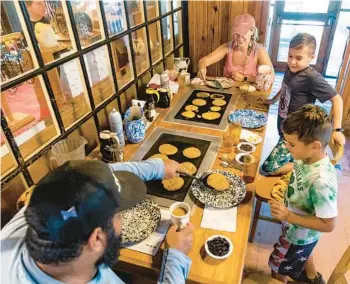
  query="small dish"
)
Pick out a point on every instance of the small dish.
point(230, 249)
point(254, 139)
point(246, 147)
point(240, 155)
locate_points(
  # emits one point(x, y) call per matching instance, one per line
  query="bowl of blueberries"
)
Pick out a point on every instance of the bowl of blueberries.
point(218, 247)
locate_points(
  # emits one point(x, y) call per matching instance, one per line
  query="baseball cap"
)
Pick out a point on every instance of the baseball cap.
point(79, 196)
point(242, 24)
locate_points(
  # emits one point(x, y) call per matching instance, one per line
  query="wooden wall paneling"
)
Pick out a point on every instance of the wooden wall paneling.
point(210, 25)
point(213, 32)
point(224, 29)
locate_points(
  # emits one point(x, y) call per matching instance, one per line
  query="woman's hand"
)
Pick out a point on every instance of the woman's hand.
point(237, 76)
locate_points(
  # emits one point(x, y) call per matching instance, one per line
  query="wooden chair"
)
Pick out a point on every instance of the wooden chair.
point(343, 266)
point(263, 189)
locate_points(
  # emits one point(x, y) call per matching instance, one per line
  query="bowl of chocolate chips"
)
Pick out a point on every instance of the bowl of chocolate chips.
point(218, 247)
point(246, 147)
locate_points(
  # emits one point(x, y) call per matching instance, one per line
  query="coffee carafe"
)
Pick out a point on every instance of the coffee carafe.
point(164, 98)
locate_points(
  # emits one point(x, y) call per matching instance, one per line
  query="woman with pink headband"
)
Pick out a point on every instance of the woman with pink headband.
point(243, 54)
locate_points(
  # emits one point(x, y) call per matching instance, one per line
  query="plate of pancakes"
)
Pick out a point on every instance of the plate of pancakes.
point(220, 189)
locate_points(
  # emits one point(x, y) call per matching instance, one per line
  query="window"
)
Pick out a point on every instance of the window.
point(65, 65)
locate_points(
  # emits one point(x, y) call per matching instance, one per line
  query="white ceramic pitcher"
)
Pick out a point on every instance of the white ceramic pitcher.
point(181, 63)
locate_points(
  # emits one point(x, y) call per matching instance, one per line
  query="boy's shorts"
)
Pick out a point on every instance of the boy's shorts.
point(289, 259)
point(278, 157)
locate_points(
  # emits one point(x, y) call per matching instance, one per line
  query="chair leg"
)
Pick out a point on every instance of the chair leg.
point(255, 220)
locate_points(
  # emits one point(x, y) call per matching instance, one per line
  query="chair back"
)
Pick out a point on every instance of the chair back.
point(343, 266)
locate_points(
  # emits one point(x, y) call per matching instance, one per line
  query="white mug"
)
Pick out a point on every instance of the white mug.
point(180, 221)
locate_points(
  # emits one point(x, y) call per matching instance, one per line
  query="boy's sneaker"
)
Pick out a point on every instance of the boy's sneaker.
point(304, 279)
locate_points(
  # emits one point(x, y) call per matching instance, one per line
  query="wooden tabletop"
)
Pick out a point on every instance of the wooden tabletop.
point(203, 270)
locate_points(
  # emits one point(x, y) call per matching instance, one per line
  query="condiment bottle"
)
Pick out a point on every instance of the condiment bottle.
point(116, 124)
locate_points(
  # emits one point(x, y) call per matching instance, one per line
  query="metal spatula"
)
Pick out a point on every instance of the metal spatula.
point(200, 180)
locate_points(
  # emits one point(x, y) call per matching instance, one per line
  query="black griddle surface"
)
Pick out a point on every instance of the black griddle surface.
point(181, 143)
point(203, 109)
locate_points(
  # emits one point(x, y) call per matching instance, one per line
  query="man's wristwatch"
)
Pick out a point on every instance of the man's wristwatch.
point(339, 130)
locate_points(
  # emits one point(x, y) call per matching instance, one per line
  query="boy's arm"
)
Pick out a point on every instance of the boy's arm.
point(282, 213)
point(337, 107)
point(274, 99)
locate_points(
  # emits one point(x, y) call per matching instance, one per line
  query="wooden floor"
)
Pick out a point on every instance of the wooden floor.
point(331, 245)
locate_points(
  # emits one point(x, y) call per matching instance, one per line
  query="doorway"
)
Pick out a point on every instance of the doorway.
point(321, 19)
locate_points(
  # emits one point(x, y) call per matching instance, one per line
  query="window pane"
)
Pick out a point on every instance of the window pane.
point(165, 6)
point(10, 193)
point(290, 28)
point(29, 116)
point(8, 161)
point(89, 131)
point(49, 22)
point(69, 89)
point(303, 6)
point(169, 63)
point(122, 61)
point(115, 16)
point(178, 28)
point(167, 34)
point(16, 55)
point(155, 41)
point(152, 9)
point(339, 42)
point(140, 50)
point(88, 21)
point(179, 52)
point(40, 168)
point(142, 85)
point(104, 113)
point(345, 4)
point(159, 68)
point(135, 10)
point(99, 73)
point(176, 4)
point(127, 97)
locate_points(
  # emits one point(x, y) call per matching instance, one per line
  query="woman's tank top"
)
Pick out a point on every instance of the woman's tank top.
point(249, 69)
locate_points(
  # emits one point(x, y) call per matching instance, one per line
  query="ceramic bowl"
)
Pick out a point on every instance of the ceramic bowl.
point(214, 256)
point(240, 145)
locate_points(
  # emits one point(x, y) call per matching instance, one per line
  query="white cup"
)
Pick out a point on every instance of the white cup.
point(180, 221)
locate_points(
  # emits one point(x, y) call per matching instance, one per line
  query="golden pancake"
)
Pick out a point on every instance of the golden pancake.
point(189, 167)
point(188, 114)
point(199, 102)
point(217, 96)
point(219, 102)
point(159, 156)
point(203, 95)
point(215, 108)
point(211, 115)
point(218, 181)
point(191, 108)
point(173, 184)
point(191, 153)
point(167, 149)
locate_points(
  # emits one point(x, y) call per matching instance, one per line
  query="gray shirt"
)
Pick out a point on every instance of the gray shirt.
point(302, 88)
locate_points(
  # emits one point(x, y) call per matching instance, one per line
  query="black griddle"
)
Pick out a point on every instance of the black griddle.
point(203, 109)
point(181, 143)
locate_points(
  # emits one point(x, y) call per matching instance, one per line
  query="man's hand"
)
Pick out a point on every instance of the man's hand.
point(338, 138)
point(182, 240)
point(171, 168)
point(278, 210)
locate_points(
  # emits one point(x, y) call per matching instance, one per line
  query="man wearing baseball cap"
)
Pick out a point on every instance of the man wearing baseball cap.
point(243, 54)
point(70, 231)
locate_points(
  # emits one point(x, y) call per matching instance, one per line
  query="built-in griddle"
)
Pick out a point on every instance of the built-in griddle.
point(203, 109)
point(220, 123)
point(208, 145)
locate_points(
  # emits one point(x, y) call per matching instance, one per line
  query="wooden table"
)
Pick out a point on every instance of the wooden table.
point(202, 271)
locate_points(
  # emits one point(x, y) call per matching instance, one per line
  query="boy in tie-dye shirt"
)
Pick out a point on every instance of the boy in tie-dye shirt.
point(310, 202)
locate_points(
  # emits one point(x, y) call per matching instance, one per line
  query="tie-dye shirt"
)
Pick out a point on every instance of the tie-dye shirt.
point(312, 191)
